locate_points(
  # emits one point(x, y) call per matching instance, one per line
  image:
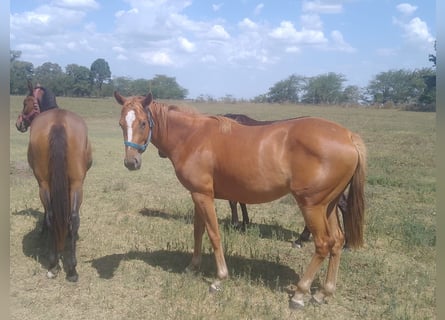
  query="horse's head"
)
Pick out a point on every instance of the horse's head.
point(31, 107)
point(137, 123)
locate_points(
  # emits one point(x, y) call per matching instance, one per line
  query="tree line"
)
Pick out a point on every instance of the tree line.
point(415, 90)
point(80, 81)
point(410, 89)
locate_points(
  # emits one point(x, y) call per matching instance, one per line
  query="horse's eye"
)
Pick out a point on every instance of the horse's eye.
point(143, 124)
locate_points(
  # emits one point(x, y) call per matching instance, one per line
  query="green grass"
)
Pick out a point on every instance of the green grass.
point(136, 232)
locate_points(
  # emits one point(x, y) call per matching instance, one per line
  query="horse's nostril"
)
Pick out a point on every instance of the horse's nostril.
point(132, 164)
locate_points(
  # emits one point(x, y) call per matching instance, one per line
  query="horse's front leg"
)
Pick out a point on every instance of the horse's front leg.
point(198, 231)
point(204, 207)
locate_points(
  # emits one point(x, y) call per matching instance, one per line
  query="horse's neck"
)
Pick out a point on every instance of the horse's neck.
point(170, 133)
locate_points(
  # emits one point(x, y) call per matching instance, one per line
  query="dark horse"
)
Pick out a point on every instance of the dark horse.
point(313, 159)
point(305, 235)
point(59, 153)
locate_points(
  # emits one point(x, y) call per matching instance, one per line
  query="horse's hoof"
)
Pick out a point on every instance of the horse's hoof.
point(318, 298)
point(296, 304)
point(51, 275)
point(72, 278)
point(215, 287)
point(297, 244)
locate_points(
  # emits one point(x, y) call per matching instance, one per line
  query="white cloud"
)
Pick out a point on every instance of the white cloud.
point(258, 9)
point(218, 32)
point(158, 58)
point(406, 8)
point(293, 49)
point(217, 7)
point(417, 30)
point(208, 58)
point(76, 4)
point(339, 43)
point(186, 44)
point(311, 21)
point(248, 24)
point(45, 20)
point(287, 32)
point(320, 6)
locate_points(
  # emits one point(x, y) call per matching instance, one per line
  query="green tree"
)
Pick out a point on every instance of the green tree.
point(351, 94)
point(164, 87)
point(14, 55)
point(77, 80)
point(432, 57)
point(52, 76)
point(20, 72)
point(286, 90)
point(123, 85)
point(100, 74)
point(324, 89)
point(397, 86)
point(139, 87)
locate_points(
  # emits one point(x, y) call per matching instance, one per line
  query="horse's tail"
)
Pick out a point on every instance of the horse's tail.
point(355, 218)
point(59, 186)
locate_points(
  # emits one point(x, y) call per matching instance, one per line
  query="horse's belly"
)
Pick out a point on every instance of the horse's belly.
point(252, 192)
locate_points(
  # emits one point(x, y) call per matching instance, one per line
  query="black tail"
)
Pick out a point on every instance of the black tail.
point(59, 186)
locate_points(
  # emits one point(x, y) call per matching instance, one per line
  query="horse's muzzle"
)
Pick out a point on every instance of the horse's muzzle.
point(133, 162)
point(21, 125)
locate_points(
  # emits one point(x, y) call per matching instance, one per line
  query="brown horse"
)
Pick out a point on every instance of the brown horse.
point(59, 153)
point(313, 159)
point(305, 235)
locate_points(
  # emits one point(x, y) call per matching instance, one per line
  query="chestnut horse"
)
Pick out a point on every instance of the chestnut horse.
point(305, 235)
point(314, 159)
point(59, 154)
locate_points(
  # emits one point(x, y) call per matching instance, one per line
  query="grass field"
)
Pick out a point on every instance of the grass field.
point(136, 232)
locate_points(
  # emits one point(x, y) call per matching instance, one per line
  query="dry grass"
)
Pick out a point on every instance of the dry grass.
point(136, 232)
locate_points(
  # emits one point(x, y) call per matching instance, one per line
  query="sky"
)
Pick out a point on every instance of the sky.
point(218, 48)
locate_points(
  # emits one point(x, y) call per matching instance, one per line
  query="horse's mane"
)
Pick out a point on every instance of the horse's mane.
point(162, 110)
point(48, 99)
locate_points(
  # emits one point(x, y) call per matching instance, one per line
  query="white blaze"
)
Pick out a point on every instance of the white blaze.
point(130, 117)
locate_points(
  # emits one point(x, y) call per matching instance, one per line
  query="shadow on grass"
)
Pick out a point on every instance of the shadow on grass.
point(34, 243)
point(266, 231)
point(271, 274)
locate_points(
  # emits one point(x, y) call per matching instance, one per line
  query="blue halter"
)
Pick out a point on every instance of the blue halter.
point(142, 147)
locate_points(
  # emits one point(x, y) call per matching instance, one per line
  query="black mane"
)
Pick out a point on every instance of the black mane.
point(48, 100)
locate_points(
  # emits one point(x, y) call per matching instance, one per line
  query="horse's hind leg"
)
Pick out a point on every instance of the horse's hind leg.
point(304, 237)
point(45, 199)
point(334, 259)
point(71, 260)
point(316, 220)
point(53, 256)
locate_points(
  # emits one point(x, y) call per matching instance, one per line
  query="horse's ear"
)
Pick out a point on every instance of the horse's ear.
point(147, 100)
point(30, 87)
point(119, 98)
